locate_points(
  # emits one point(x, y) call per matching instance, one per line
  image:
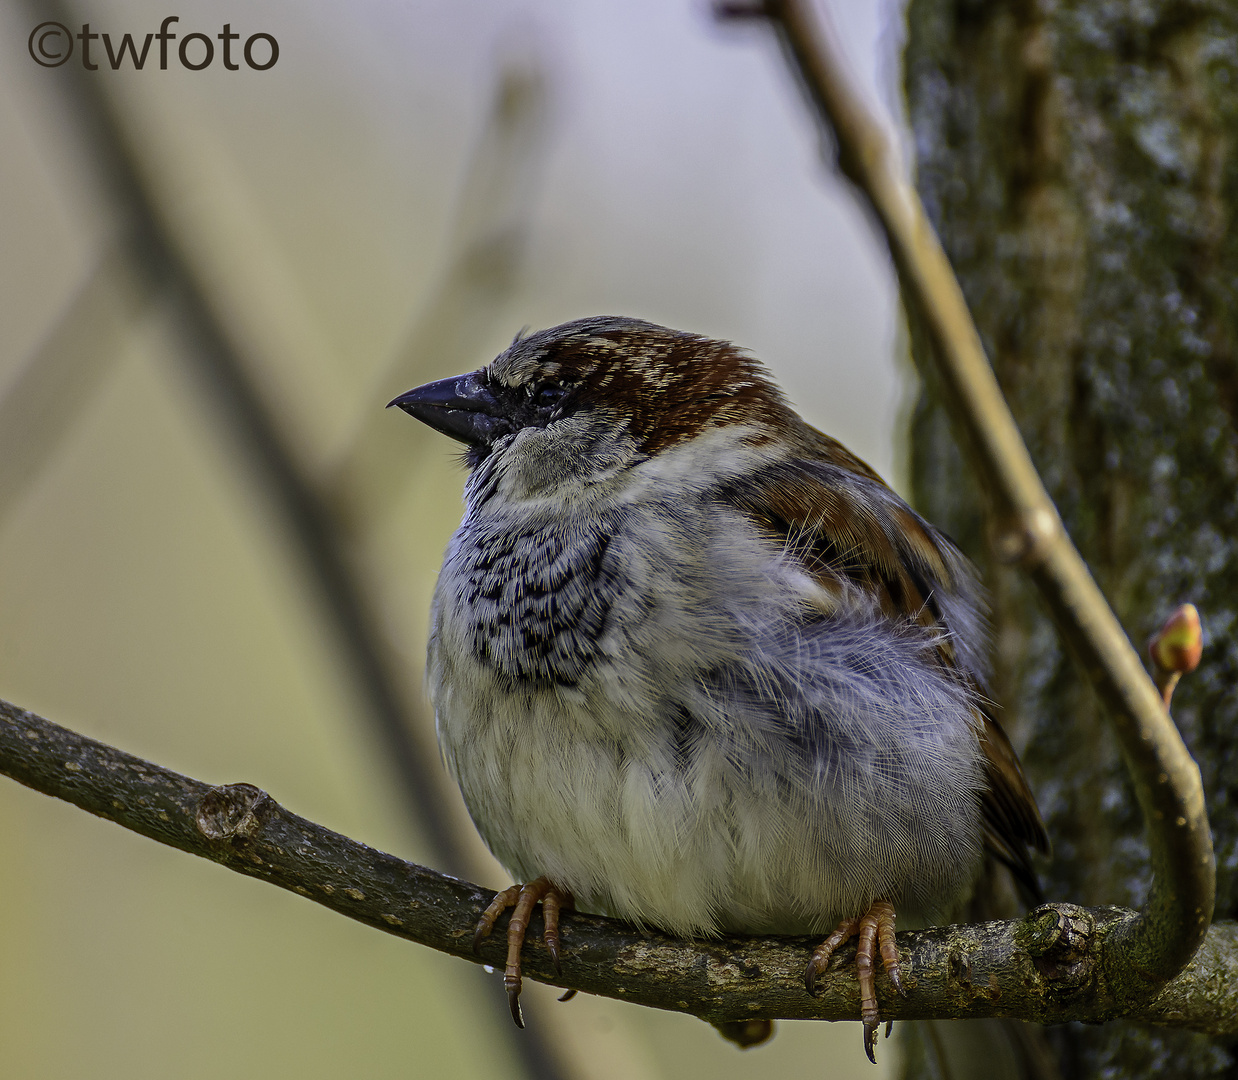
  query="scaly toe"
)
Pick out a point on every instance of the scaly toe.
point(522, 899)
point(501, 902)
point(875, 930)
point(821, 955)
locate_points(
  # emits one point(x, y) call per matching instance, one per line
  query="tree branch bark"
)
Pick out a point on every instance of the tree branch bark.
point(1052, 966)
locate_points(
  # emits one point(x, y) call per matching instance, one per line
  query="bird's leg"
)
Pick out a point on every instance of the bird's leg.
point(875, 929)
point(522, 899)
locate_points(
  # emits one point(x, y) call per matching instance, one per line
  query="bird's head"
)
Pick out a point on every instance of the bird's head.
point(604, 388)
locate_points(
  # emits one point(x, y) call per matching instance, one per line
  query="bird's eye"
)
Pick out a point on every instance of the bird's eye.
point(548, 395)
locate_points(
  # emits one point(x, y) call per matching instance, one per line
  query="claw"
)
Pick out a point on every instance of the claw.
point(875, 930)
point(889, 947)
point(870, 1042)
point(501, 902)
point(522, 899)
point(513, 999)
point(820, 961)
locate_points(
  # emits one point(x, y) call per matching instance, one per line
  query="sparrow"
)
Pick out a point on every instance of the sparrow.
point(695, 666)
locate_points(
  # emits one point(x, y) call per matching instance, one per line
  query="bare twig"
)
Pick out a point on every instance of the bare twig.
point(159, 262)
point(156, 261)
point(42, 403)
point(1028, 529)
point(1052, 966)
point(485, 257)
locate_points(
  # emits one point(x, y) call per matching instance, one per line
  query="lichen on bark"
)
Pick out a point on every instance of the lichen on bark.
point(1079, 162)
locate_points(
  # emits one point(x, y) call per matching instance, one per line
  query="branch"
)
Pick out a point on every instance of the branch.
point(1164, 936)
point(1050, 967)
point(161, 263)
point(45, 400)
point(484, 264)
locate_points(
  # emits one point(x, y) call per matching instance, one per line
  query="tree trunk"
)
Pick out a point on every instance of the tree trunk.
point(1080, 164)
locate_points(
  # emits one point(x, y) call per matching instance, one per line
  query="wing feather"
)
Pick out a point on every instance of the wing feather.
point(846, 527)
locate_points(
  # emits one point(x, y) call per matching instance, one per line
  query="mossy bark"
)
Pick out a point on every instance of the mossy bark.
point(1080, 162)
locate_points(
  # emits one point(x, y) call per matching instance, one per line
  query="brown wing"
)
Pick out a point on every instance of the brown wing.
point(848, 528)
point(1010, 810)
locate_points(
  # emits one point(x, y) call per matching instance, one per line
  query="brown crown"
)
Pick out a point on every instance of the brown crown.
point(665, 386)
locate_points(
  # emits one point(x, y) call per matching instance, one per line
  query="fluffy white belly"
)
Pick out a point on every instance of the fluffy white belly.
point(629, 834)
point(704, 842)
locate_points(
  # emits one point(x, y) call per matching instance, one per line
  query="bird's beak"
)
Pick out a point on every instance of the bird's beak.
point(462, 407)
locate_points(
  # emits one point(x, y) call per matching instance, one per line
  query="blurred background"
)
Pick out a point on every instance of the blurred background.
point(196, 261)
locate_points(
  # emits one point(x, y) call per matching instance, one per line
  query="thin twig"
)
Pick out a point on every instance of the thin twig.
point(1028, 529)
point(1051, 966)
point(486, 247)
point(159, 261)
point(41, 405)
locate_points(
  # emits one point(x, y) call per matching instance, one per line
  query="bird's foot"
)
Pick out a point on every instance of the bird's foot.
point(522, 899)
point(875, 930)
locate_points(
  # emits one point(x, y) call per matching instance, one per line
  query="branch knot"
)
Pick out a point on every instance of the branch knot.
point(1059, 938)
point(230, 810)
